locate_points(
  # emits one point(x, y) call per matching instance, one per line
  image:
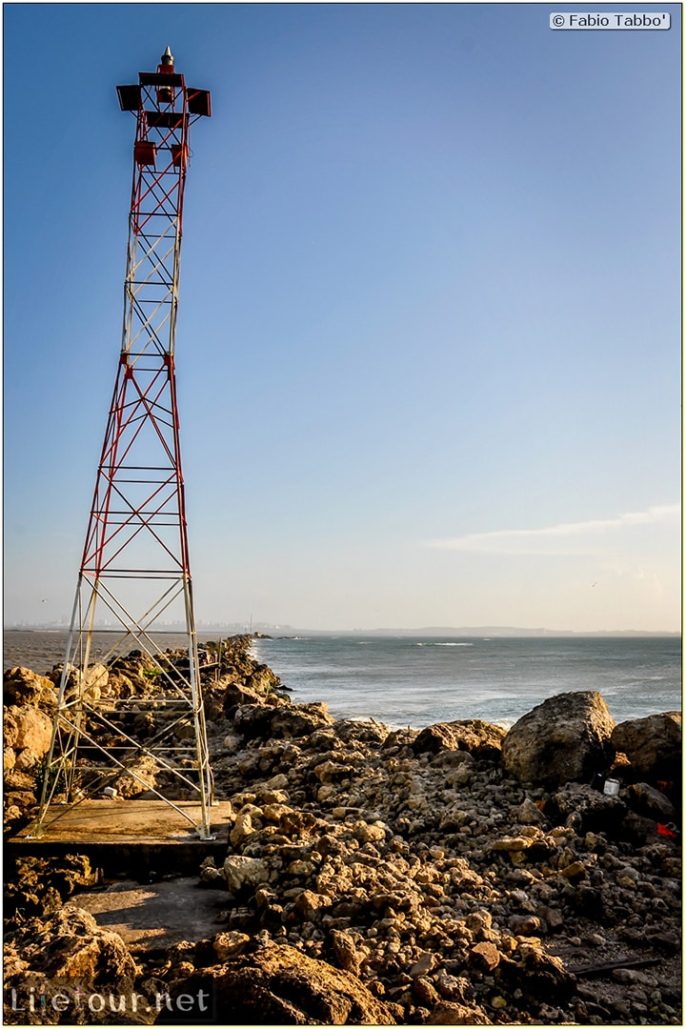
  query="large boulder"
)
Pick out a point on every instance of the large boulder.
point(27, 728)
point(564, 739)
point(652, 744)
point(279, 985)
point(480, 739)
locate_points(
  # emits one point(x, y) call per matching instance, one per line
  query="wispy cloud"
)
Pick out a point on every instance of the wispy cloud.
point(543, 540)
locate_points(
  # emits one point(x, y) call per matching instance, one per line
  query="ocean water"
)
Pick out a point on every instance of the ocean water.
point(417, 681)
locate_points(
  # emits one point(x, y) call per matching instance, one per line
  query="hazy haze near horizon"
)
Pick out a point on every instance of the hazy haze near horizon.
point(429, 331)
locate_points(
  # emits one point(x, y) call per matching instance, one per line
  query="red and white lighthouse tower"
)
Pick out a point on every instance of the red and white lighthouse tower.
point(135, 576)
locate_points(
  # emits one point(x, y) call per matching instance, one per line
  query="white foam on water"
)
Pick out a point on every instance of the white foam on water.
point(444, 644)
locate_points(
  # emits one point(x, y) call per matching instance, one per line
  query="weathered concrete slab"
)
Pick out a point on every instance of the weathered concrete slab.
point(127, 835)
point(129, 821)
point(159, 914)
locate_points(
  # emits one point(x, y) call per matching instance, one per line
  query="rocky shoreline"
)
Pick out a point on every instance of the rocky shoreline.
point(454, 875)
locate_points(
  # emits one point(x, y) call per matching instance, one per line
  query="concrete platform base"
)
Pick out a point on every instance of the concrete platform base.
point(157, 915)
point(131, 836)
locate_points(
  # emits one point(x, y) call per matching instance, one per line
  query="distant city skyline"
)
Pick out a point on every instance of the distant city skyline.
point(429, 337)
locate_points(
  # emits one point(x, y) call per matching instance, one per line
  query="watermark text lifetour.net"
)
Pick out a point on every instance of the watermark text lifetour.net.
point(66, 1000)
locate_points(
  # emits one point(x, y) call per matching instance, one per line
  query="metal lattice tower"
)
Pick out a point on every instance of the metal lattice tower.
point(135, 571)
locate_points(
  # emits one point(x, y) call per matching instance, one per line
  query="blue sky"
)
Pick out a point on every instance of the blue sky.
point(429, 336)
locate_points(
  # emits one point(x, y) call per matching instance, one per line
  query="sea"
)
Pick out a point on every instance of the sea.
point(419, 680)
point(416, 681)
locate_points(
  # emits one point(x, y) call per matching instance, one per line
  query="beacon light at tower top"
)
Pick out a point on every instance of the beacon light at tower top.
point(135, 569)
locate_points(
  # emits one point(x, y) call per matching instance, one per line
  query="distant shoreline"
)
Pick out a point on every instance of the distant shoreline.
point(288, 632)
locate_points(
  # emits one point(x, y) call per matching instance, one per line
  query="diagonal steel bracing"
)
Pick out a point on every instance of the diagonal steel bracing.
point(135, 572)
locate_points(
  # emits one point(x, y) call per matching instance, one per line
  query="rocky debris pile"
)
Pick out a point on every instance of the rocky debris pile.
point(63, 959)
point(29, 704)
point(38, 886)
point(453, 875)
point(277, 984)
point(229, 676)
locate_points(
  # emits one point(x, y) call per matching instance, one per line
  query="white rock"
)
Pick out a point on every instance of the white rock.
point(242, 871)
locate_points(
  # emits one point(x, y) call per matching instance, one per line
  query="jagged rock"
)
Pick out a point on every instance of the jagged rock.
point(481, 739)
point(398, 738)
point(141, 776)
point(228, 945)
point(433, 739)
point(67, 948)
point(262, 679)
point(450, 1012)
point(591, 810)
point(28, 727)
point(651, 802)
point(652, 744)
point(424, 992)
point(279, 720)
point(93, 684)
point(282, 986)
point(524, 925)
point(212, 877)
point(425, 963)
point(236, 694)
point(345, 951)
point(309, 904)
point(39, 885)
point(26, 760)
point(243, 826)
point(485, 956)
point(240, 871)
point(564, 739)
point(541, 975)
point(528, 813)
point(22, 686)
point(368, 731)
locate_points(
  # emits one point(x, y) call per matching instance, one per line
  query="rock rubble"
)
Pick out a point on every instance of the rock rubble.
point(453, 875)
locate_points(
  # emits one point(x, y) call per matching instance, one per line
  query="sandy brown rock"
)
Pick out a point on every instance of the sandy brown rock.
point(141, 776)
point(281, 719)
point(39, 886)
point(22, 686)
point(443, 889)
point(279, 985)
point(27, 728)
point(63, 952)
point(481, 739)
point(454, 1013)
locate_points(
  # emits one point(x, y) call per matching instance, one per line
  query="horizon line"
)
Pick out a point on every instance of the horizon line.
point(413, 630)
